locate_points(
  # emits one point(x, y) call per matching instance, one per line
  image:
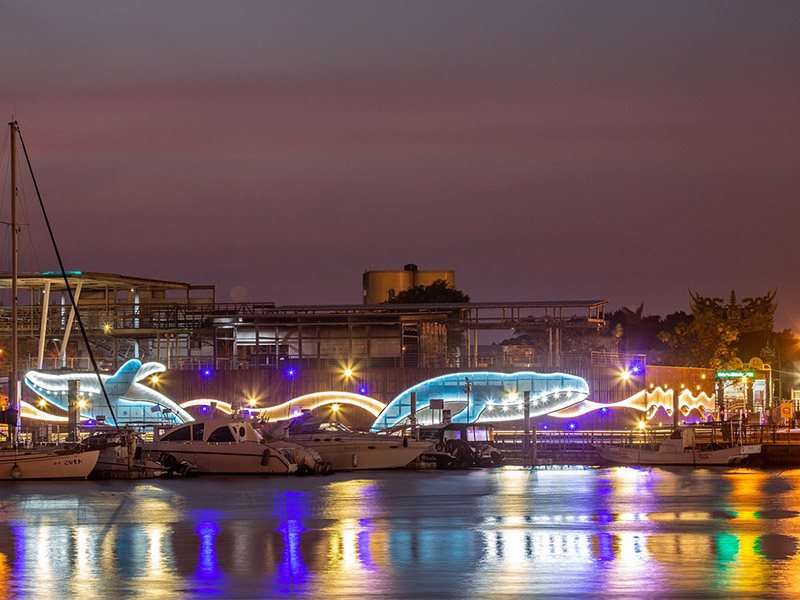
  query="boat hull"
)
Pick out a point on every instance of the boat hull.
point(47, 464)
point(358, 455)
point(635, 456)
point(243, 458)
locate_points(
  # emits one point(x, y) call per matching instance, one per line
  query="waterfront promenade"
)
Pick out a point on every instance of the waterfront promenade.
point(491, 533)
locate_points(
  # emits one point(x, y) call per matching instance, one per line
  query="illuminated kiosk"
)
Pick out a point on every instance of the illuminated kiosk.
point(485, 397)
point(131, 400)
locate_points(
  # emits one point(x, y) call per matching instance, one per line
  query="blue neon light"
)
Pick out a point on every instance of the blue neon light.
point(485, 397)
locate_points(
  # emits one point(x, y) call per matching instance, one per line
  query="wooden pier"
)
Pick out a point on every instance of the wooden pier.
point(780, 445)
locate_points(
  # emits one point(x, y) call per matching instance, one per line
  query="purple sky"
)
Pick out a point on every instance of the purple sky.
point(561, 150)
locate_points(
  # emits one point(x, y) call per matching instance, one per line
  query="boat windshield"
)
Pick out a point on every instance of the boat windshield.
point(308, 424)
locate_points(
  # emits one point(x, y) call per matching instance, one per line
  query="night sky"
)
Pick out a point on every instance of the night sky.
point(627, 151)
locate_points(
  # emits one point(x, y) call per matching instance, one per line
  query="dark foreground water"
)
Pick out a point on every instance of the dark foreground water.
point(501, 533)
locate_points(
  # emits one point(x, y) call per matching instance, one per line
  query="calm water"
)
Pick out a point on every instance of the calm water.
point(500, 533)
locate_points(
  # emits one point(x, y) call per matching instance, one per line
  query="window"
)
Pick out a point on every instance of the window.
point(197, 431)
point(223, 434)
point(179, 435)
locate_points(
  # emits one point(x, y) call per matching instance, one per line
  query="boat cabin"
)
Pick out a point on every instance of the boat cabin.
point(211, 431)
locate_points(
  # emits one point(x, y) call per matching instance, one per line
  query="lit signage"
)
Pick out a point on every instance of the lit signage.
point(734, 374)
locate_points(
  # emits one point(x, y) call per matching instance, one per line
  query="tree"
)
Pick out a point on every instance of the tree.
point(438, 292)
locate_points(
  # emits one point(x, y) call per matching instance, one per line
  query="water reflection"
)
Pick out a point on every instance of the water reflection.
point(610, 532)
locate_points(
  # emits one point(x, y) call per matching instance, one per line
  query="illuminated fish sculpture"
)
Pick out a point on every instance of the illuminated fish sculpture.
point(130, 399)
point(485, 397)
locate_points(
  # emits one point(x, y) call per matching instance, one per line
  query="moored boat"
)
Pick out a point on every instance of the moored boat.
point(228, 446)
point(47, 463)
point(348, 450)
point(682, 447)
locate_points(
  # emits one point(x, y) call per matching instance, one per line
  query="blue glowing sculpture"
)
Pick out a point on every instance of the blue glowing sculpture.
point(484, 397)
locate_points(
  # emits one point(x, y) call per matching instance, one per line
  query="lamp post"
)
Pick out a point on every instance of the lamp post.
point(467, 389)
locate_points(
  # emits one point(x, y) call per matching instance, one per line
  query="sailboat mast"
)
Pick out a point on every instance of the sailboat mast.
point(13, 374)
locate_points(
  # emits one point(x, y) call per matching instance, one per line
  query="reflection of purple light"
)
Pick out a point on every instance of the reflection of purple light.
point(207, 557)
point(19, 532)
point(605, 546)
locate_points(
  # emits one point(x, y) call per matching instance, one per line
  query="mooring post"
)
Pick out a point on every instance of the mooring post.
point(526, 444)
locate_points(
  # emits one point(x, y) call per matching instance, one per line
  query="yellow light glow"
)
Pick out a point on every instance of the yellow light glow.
point(348, 372)
point(682, 386)
point(42, 403)
point(154, 379)
point(252, 401)
point(652, 385)
point(335, 407)
point(642, 425)
point(106, 327)
point(625, 374)
point(82, 403)
point(513, 396)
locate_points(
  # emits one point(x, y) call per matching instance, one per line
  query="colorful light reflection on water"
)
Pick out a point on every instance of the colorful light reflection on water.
point(493, 533)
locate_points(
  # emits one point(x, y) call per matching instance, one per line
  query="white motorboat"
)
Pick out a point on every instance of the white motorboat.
point(47, 463)
point(348, 450)
point(680, 448)
point(229, 446)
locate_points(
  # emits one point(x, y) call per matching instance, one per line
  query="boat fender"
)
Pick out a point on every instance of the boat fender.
point(405, 441)
point(355, 460)
point(439, 447)
point(16, 472)
point(265, 458)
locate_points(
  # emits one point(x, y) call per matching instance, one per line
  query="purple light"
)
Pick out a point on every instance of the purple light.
point(291, 372)
point(544, 426)
point(206, 372)
point(634, 368)
point(204, 409)
point(363, 390)
point(604, 411)
point(572, 426)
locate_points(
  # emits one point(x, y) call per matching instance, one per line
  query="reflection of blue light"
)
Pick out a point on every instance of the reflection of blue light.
point(19, 531)
point(605, 546)
point(207, 567)
point(605, 517)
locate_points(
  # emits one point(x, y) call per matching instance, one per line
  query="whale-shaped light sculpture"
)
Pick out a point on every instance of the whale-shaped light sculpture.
point(485, 397)
point(130, 399)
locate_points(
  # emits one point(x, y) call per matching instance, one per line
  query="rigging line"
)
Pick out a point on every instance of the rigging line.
point(27, 224)
point(66, 282)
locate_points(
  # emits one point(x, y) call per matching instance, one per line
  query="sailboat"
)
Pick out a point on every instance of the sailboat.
point(32, 463)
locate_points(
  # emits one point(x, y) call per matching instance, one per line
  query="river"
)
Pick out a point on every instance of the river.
point(496, 533)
